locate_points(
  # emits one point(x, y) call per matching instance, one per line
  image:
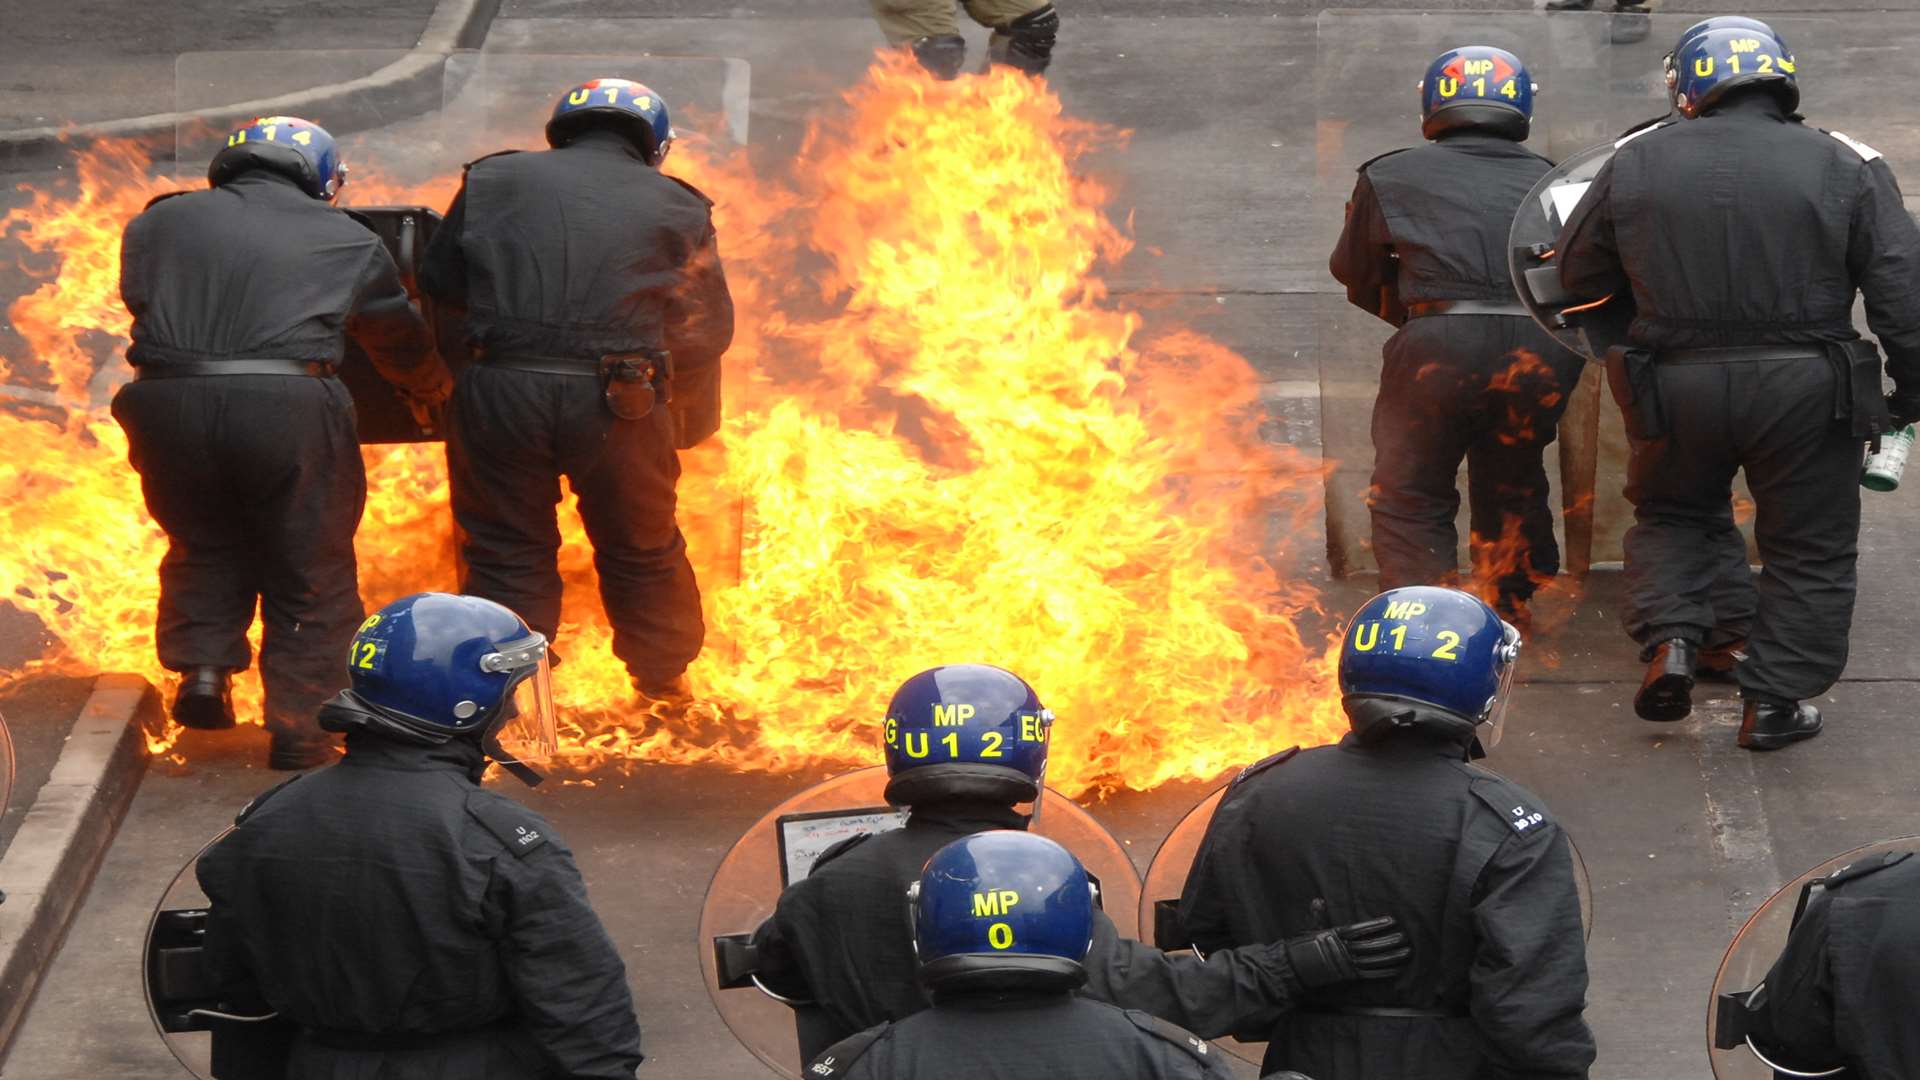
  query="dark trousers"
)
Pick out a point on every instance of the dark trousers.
point(258, 482)
point(511, 436)
point(1774, 419)
point(1486, 388)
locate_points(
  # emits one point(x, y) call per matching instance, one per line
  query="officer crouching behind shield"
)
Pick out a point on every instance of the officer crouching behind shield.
point(964, 745)
point(242, 298)
point(1393, 818)
point(1468, 374)
point(404, 922)
point(1001, 923)
point(1743, 236)
point(597, 310)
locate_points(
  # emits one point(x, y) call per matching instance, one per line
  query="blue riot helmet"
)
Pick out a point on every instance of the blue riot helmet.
point(966, 731)
point(1713, 63)
point(1477, 86)
point(620, 104)
point(296, 148)
point(433, 667)
point(1428, 655)
point(1002, 910)
point(1718, 22)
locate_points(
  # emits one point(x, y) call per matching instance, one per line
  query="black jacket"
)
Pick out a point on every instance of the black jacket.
point(1431, 223)
point(841, 938)
point(1478, 875)
point(389, 898)
point(1057, 1036)
point(1847, 987)
point(582, 251)
point(255, 269)
point(1746, 227)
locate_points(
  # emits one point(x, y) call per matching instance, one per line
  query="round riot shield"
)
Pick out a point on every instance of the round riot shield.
point(780, 847)
point(172, 975)
point(1588, 325)
point(6, 766)
point(1168, 875)
point(1752, 954)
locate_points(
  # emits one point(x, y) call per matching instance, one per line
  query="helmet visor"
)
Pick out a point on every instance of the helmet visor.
point(1507, 658)
point(527, 731)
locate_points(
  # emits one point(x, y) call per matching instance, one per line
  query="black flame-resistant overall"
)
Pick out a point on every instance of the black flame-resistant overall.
point(257, 478)
point(413, 926)
point(561, 258)
point(1747, 233)
point(1473, 866)
point(1425, 246)
point(841, 938)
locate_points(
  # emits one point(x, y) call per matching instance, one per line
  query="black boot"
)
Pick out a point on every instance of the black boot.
point(204, 700)
point(1666, 694)
point(1765, 725)
point(1716, 663)
point(1569, 5)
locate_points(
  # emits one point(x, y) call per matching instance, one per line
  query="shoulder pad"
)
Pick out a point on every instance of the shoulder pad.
point(260, 799)
point(1642, 130)
point(484, 157)
point(1263, 765)
point(840, 1055)
point(697, 193)
point(1518, 807)
point(519, 828)
point(158, 199)
point(1860, 868)
point(1167, 1031)
point(1377, 157)
point(839, 848)
point(1867, 153)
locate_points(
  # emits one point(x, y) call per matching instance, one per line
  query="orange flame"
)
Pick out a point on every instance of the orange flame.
point(945, 442)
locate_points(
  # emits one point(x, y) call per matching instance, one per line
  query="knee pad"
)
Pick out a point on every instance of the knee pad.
point(1027, 42)
point(941, 54)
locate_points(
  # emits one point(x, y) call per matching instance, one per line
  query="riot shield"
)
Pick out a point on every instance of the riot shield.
point(1752, 953)
point(779, 847)
point(212, 1037)
point(1586, 325)
point(6, 766)
point(1167, 876)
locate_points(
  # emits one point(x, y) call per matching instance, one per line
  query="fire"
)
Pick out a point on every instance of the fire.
point(945, 442)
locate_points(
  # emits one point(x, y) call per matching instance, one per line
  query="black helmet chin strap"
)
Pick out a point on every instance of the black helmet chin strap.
point(498, 755)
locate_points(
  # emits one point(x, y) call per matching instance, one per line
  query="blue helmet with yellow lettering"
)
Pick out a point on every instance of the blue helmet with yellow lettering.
point(1709, 64)
point(1002, 910)
point(431, 667)
point(1427, 655)
point(299, 149)
point(621, 104)
point(966, 731)
point(1477, 86)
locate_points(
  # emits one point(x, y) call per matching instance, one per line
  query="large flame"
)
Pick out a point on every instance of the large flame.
point(946, 442)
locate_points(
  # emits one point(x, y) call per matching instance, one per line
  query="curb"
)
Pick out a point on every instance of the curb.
point(66, 834)
point(409, 85)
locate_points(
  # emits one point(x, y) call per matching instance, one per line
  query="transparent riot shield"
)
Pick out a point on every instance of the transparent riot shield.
point(1590, 326)
point(1167, 876)
point(1752, 953)
point(777, 847)
point(6, 766)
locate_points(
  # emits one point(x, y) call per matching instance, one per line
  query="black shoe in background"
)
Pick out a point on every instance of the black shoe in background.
point(1666, 694)
point(204, 701)
point(1765, 725)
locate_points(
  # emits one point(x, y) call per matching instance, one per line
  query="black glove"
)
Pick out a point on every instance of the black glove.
point(1904, 407)
point(1372, 949)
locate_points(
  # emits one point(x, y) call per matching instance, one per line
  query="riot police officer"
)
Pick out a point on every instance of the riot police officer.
point(1001, 923)
point(1467, 374)
point(242, 297)
point(1023, 32)
point(1844, 992)
point(407, 922)
point(593, 293)
point(1744, 357)
point(964, 745)
point(1394, 818)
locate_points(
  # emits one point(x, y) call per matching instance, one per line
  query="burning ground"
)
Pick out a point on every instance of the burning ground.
point(945, 442)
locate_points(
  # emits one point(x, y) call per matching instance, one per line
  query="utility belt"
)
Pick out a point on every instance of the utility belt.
point(396, 1041)
point(1424, 309)
point(196, 368)
point(1389, 1012)
point(1857, 397)
point(631, 383)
